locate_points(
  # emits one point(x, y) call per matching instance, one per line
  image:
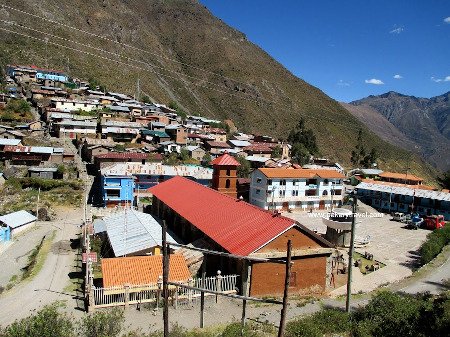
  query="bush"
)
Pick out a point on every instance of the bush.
point(105, 323)
point(389, 314)
point(434, 244)
point(46, 322)
point(323, 322)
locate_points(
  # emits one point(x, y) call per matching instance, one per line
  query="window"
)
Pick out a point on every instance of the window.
point(295, 182)
point(325, 182)
point(227, 183)
point(258, 180)
point(325, 193)
point(281, 193)
point(228, 172)
point(282, 182)
point(257, 191)
point(269, 182)
point(294, 193)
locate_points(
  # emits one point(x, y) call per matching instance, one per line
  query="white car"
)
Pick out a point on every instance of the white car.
point(398, 216)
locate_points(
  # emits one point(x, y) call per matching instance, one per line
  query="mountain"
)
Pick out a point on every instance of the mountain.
point(418, 124)
point(180, 52)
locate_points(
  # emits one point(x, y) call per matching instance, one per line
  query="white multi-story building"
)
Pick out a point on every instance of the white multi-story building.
point(303, 189)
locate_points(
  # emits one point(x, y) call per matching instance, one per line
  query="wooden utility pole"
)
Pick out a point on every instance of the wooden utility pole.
point(202, 294)
point(287, 281)
point(350, 255)
point(165, 280)
point(246, 270)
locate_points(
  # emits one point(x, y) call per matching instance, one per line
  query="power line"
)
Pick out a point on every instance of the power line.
point(129, 46)
point(321, 119)
point(115, 54)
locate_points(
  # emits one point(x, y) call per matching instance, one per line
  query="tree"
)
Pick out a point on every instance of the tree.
point(304, 143)
point(359, 155)
point(445, 180)
point(304, 136)
point(300, 154)
point(18, 106)
point(206, 160)
point(245, 168)
point(146, 100)
point(184, 154)
point(276, 152)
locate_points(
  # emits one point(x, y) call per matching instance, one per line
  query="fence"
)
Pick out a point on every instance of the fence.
point(150, 293)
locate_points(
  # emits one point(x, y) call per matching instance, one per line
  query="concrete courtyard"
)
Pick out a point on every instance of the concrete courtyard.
point(390, 243)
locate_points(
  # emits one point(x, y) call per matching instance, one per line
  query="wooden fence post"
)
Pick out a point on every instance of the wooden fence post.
point(287, 281)
point(126, 288)
point(219, 278)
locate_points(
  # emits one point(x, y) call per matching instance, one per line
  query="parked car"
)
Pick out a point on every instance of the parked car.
point(398, 216)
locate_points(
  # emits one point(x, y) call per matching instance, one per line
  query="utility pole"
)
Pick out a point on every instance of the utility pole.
point(37, 204)
point(287, 281)
point(350, 254)
point(165, 280)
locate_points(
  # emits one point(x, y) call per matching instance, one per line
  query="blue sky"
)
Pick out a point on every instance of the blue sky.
point(351, 48)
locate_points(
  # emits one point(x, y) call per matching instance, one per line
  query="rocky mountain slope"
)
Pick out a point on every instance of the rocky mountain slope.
point(418, 124)
point(180, 52)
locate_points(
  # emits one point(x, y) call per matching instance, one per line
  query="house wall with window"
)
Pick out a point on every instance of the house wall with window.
point(299, 191)
point(117, 190)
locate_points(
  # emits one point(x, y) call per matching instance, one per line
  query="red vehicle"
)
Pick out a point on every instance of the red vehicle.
point(434, 222)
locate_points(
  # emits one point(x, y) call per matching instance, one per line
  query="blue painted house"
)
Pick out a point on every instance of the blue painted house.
point(117, 190)
point(53, 75)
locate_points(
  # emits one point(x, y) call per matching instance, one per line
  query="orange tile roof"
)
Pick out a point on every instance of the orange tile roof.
point(140, 270)
point(419, 187)
point(400, 176)
point(300, 173)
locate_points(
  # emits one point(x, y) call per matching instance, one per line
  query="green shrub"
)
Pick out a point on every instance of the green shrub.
point(46, 322)
point(434, 244)
point(389, 314)
point(104, 323)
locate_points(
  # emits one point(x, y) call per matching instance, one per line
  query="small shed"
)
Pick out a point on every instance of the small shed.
point(44, 172)
point(18, 221)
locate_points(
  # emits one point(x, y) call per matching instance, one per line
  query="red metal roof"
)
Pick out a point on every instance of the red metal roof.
point(260, 147)
point(239, 227)
point(225, 160)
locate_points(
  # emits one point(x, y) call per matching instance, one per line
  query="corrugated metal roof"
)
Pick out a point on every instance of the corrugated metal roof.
point(17, 219)
point(417, 192)
point(131, 231)
point(122, 155)
point(125, 169)
point(239, 143)
point(78, 123)
point(42, 169)
point(142, 270)
point(239, 227)
point(99, 226)
point(11, 142)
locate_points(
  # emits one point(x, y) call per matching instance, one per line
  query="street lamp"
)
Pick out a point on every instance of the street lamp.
point(273, 196)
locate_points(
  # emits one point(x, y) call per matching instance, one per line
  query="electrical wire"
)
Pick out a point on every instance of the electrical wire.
point(130, 46)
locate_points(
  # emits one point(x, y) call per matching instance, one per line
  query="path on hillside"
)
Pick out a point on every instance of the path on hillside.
point(49, 284)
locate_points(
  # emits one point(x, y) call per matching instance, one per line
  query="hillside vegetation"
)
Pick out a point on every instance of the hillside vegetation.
point(181, 53)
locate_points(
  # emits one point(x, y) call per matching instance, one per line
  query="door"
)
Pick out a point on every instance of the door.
point(322, 204)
